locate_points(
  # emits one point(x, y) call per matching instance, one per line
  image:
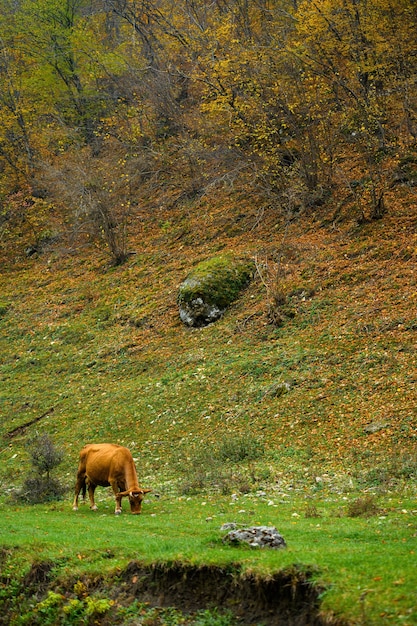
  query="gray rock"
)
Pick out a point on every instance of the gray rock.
point(374, 427)
point(199, 313)
point(210, 288)
point(256, 537)
point(229, 526)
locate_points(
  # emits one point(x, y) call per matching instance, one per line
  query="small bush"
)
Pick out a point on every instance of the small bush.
point(38, 489)
point(365, 506)
point(47, 611)
point(214, 618)
point(44, 455)
point(240, 448)
point(389, 471)
point(311, 511)
point(209, 475)
point(56, 609)
point(212, 467)
point(39, 486)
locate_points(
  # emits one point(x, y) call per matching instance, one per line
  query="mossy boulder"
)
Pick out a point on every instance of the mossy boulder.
point(211, 287)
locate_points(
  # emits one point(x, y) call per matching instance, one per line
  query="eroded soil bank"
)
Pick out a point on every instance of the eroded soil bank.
point(287, 598)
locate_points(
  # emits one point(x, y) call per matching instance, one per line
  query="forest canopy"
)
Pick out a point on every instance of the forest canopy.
point(105, 102)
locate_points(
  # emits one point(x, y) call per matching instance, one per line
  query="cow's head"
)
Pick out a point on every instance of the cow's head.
point(135, 499)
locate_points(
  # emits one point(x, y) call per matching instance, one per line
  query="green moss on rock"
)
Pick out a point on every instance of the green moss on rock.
point(211, 287)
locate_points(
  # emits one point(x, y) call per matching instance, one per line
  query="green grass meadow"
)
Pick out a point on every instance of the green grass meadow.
point(365, 564)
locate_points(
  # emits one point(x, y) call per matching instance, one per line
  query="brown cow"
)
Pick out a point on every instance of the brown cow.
point(107, 464)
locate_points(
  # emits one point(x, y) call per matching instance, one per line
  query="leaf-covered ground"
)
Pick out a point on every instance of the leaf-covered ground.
point(324, 399)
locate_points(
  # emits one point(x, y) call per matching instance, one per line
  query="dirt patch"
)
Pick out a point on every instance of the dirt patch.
point(287, 598)
point(37, 580)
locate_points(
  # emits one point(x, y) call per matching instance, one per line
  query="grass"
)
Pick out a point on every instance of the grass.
point(367, 564)
point(319, 414)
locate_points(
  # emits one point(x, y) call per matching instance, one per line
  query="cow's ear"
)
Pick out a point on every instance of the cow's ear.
point(146, 491)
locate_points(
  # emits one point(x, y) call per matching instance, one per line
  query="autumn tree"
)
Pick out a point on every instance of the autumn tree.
point(355, 53)
point(16, 110)
point(290, 98)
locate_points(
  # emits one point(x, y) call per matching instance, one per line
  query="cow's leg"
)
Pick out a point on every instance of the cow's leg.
point(91, 490)
point(118, 498)
point(80, 484)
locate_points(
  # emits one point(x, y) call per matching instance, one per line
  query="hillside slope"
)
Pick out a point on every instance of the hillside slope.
point(328, 392)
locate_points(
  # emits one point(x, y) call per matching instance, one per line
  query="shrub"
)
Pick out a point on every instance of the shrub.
point(44, 455)
point(214, 618)
point(40, 486)
point(365, 506)
point(38, 489)
point(390, 471)
point(240, 448)
point(212, 467)
point(311, 511)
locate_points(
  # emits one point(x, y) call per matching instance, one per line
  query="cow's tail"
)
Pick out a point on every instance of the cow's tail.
point(84, 488)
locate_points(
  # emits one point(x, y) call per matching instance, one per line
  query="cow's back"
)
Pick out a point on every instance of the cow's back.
point(101, 461)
